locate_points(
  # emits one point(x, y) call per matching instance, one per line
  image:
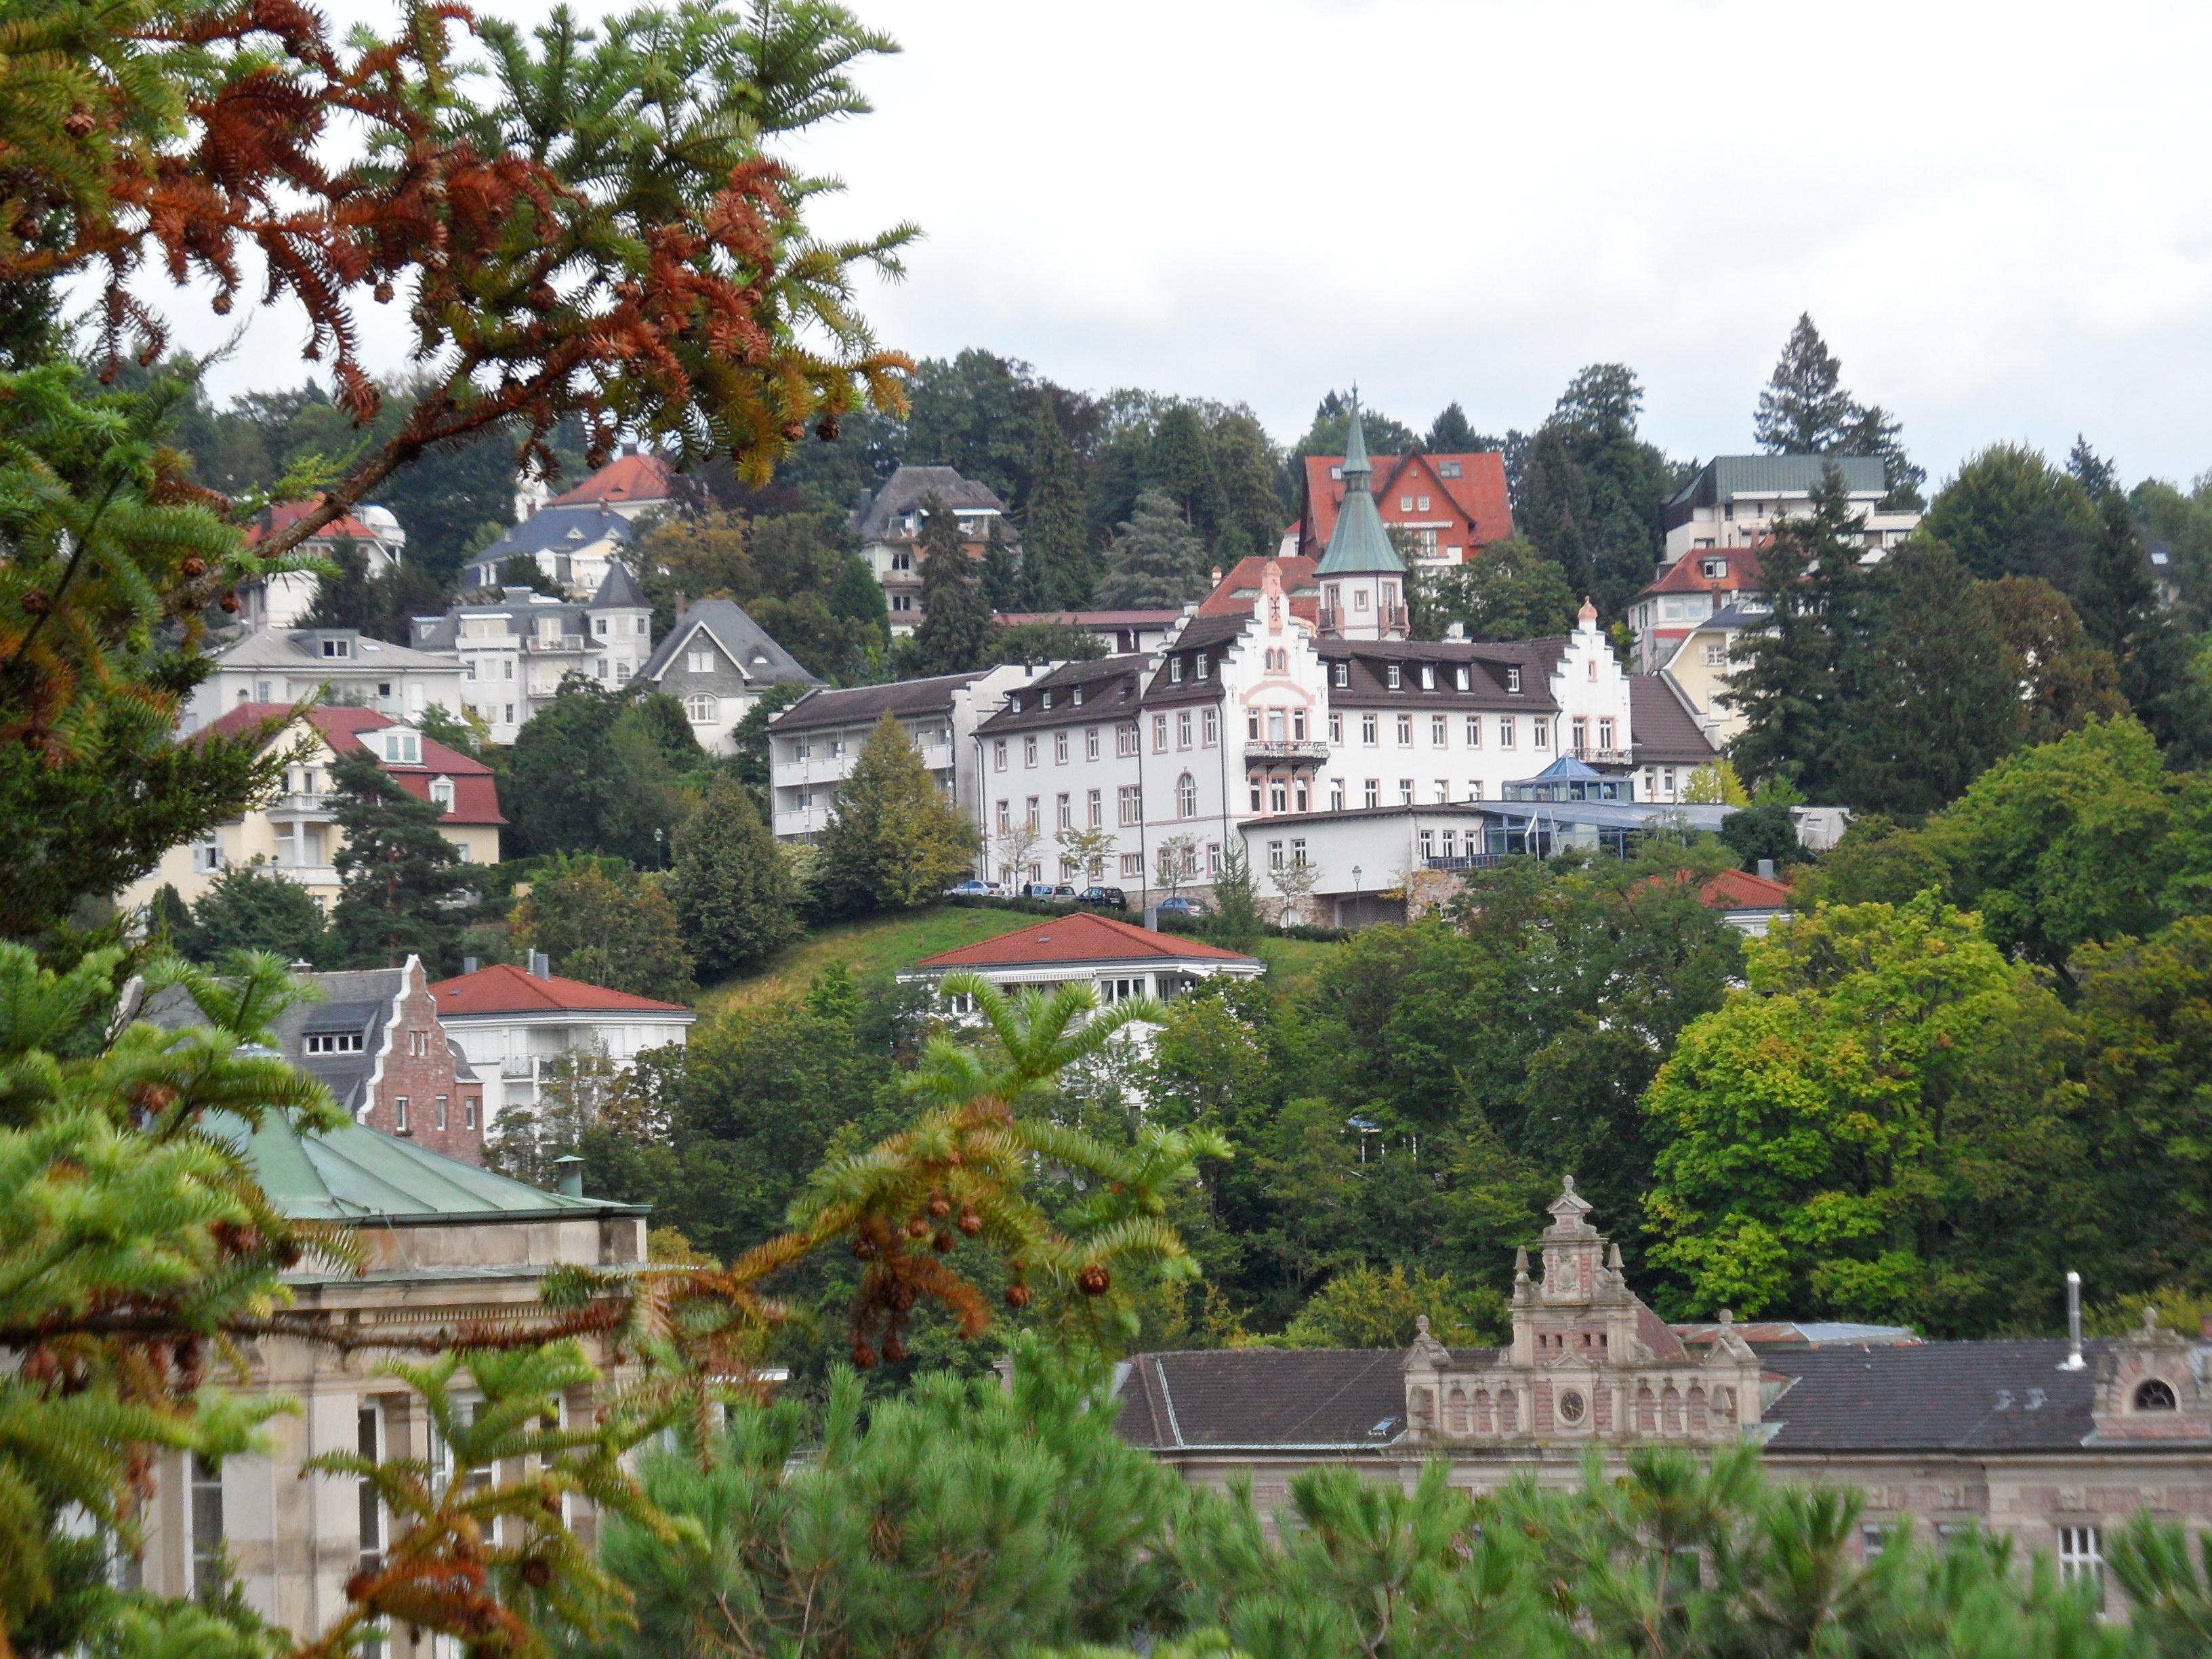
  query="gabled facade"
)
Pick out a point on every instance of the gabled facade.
point(716, 661)
point(295, 836)
point(572, 545)
point(338, 664)
point(1233, 594)
point(1450, 506)
point(515, 651)
point(1688, 593)
point(888, 524)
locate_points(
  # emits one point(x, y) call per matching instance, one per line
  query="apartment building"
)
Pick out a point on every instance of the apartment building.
point(339, 666)
point(576, 536)
point(1736, 501)
point(814, 744)
point(295, 835)
point(515, 651)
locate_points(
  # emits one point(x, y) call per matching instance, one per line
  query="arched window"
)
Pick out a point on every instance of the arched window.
point(703, 710)
point(2154, 1396)
point(1187, 796)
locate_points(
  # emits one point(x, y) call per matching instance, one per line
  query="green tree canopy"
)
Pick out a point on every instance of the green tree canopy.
point(731, 887)
point(1507, 590)
point(615, 929)
point(252, 907)
point(2008, 511)
point(597, 771)
point(1158, 560)
point(402, 888)
point(895, 840)
point(955, 633)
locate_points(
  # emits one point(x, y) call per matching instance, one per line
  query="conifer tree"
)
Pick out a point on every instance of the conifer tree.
point(1791, 688)
point(2112, 591)
point(252, 908)
point(1805, 410)
point(1452, 433)
point(955, 633)
point(1053, 536)
point(731, 887)
point(1156, 561)
point(895, 840)
point(1005, 585)
point(402, 885)
point(1179, 465)
point(2098, 476)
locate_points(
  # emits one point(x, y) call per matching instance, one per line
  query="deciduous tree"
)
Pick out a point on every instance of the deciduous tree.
point(731, 888)
point(895, 840)
point(613, 928)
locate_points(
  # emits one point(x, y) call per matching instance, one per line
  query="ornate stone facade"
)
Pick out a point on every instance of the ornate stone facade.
point(1589, 1364)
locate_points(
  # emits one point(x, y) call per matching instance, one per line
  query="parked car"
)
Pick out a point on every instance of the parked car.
point(1064, 892)
point(1180, 906)
point(972, 890)
point(1041, 890)
point(1103, 898)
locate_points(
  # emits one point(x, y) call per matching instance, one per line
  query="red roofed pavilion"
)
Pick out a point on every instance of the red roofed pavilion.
point(1119, 958)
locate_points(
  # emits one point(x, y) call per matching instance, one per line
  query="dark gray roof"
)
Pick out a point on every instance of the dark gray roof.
point(558, 528)
point(1726, 477)
point(1274, 1399)
point(1485, 661)
point(620, 588)
point(1207, 634)
point(744, 641)
point(1109, 692)
point(1933, 1396)
point(854, 705)
point(908, 488)
point(523, 609)
point(1661, 726)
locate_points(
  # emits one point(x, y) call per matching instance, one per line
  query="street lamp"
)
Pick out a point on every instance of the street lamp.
point(1355, 922)
point(660, 861)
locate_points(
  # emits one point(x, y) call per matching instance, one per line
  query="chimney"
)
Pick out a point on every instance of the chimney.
point(568, 1175)
point(1766, 869)
point(541, 965)
point(468, 964)
point(1455, 631)
point(2073, 1362)
point(1217, 575)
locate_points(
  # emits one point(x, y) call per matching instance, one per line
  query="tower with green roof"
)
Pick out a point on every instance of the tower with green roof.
point(1363, 579)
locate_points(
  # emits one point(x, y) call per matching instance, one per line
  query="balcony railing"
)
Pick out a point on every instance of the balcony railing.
point(1310, 751)
point(1388, 617)
point(1591, 757)
point(1456, 862)
point(301, 804)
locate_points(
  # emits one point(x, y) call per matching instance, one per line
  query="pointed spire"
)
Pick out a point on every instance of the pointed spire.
point(1357, 469)
point(1359, 545)
point(1614, 1260)
point(1520, 1264)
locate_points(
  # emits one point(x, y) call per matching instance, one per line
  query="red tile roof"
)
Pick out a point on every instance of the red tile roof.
point(282, 515)
point(476, 792)
point(1477, 496)
point(1080, 936)
point(1683, 576)
point(1234, 594)
point(625, 478)
point(504, 988)
point(1738, 890)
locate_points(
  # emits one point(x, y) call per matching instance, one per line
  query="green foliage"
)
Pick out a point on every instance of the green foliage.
point(1592, 488)
point(1804, 411)
point(2007, 511)
point(252, 908)
point(1238, 918)
point(1053, 543)
point(2078, 840)
point(597, 771)
point(1364, 1307)
point(1509, 590)
point(1879, 861)
point(618, 930)
point(1854, 1133)
point(731, 888)
point(1044, 641)
point(955, 633)
point(2065, 680)
point(960, 1518)
point(111, 559)
point(1715, 784)
point(402, 883)
point(894, 840)
point(1156, 561)
point(1753, 833)
point(790, 571)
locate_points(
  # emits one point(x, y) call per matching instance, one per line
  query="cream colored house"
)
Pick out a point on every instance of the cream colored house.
point(295, 835)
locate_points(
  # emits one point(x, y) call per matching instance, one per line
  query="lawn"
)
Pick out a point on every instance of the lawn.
point(879, 947)
point(874, 948)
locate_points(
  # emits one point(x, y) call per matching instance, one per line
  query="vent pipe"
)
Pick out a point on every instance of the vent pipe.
point(2074, 1362)
point(568, 1175)
point(468, 964)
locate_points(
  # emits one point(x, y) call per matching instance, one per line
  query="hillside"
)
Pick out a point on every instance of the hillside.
point(879, 947)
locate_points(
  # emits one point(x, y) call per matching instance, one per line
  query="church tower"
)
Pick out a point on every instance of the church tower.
point(1363, 579)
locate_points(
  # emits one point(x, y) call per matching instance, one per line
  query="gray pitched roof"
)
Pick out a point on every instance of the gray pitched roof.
point(742, 640)
point(1661, 726)
point(1271, 1398)
point(522, 608)
point(908, 488)
point(858, 704)
point(1109, 692)
point(296, 647)
point(1724, 478)
point(620, 588)
point(559, 527)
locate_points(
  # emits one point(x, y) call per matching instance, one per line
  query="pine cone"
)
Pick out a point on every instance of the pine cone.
point(1093, 1279)
point(79, 124)
point(918, 1228)
point(894, 1350)
point(1018, 1296)
point(230, 602)
point(864, 1356)
point(970, 1223)
point(194, 567)
point(537, 1573)
point(943, 1242)
point(940, 1206)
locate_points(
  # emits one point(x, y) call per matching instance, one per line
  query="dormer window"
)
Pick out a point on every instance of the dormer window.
point(1078, 698)
point(441, 791)
point(337, 648)
point(2154, 1396)
point(1513, 681)
point(1014, 704)
point(1712, 569)
point(1461, 676)
point(1174, 671)
point(1448, 469)
point(1394, 676)
point(1205, 667)
point(1343, 674)
point(1428, 677)
point(1045, 700)
point(399, 747)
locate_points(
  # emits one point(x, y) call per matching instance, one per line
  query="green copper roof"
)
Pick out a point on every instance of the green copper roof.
point(353, 1174)
point(1359, 543)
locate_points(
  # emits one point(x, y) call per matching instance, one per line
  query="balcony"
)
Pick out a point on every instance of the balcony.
point(819, 767)
point(1285, 751)
point(936, 757)
point(539, 645)
point(307, 804)
point(1386, 619)
point(801, 821)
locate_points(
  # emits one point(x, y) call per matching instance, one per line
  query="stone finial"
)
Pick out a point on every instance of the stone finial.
point(1613, 1260)
point(1421, 1324)
point(1426, 1353)
point(1728, 1318)
point(1520, 1264)
point(1588, 614)
point(2150, 1320)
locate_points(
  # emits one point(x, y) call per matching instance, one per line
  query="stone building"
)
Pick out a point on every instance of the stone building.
point(717, 661)
point(2051, 1443)
point(890, 523)
point(448, 1246)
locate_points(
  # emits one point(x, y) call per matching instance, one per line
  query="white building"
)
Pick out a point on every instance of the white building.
point(341, 666)
point(513, 1024)
point(1117, 959)
point(1736, 501)
point(716, 661)
point(515, 651)
point(283, 601)
point(814, 744)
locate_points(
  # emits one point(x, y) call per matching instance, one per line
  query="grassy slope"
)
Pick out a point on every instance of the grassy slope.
point(879, 948)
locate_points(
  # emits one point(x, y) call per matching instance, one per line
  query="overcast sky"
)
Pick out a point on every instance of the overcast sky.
point(2000, 216)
